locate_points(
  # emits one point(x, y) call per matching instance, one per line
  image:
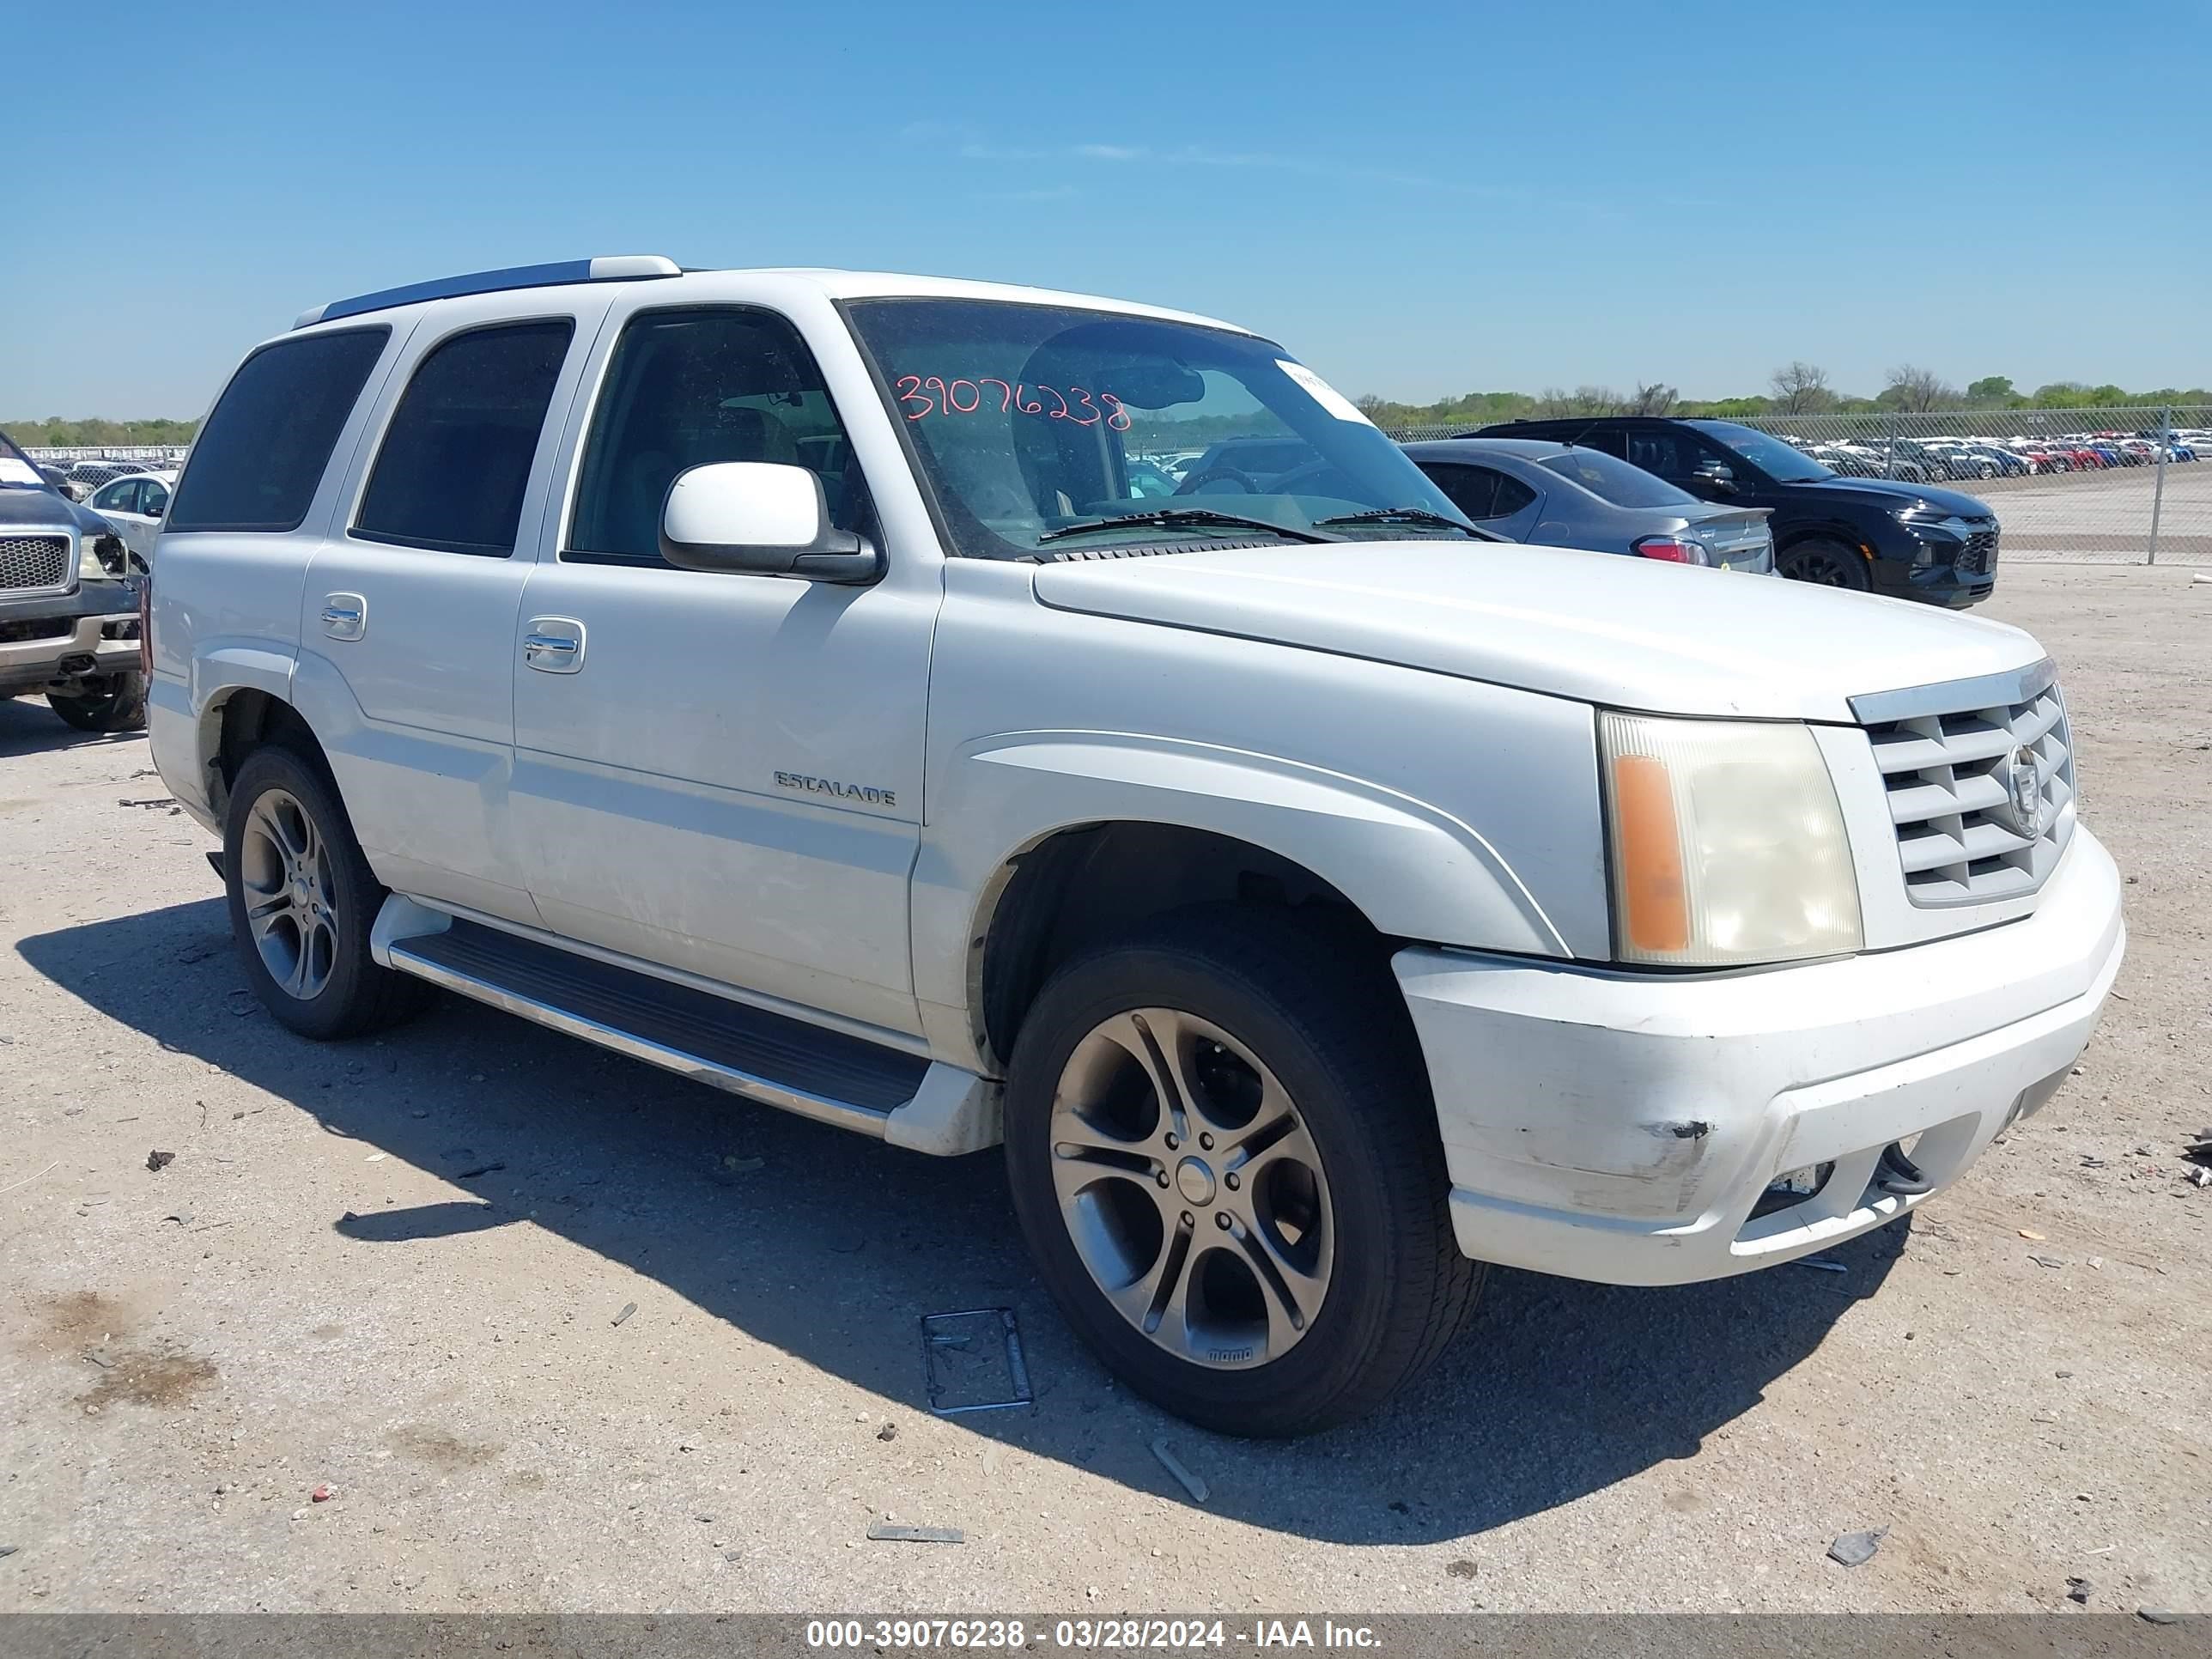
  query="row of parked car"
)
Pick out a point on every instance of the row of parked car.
point(1920, 459)
point(1693, 492)
point(78, 479)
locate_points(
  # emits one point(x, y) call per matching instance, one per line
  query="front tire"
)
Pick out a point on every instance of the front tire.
point(119, 706)
point(302, 900)
point(1225, 1159)
point(1826, 564)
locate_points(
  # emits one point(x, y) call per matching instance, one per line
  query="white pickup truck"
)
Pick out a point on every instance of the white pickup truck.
point(811, 683)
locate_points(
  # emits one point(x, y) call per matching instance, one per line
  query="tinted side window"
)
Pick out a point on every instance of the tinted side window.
point(456, 458)
point(1471, 488)
point(121, 496)
point(1669, 454)
point(257, 462)
point(688, 387)
point(156, 499)
point(1513, 496)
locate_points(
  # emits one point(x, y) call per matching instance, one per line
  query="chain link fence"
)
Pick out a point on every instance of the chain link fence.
point(2085, 485)
point(150, 454)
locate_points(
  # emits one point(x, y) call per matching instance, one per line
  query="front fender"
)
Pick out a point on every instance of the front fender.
point(1413, 869)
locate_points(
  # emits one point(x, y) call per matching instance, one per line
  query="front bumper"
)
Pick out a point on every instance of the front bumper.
point(1946, 584)
point(1945, 564)
point(1622, 1127)
point(81, 621)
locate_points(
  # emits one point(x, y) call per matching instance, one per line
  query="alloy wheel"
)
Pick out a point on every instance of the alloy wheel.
point(291, 908)
point(1192, 1188)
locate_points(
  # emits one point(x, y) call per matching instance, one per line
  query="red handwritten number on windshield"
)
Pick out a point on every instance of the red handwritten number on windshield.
point(922, 398)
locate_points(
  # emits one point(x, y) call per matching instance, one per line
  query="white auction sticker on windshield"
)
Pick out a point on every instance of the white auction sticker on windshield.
point(18, 472)
point(1323, 392)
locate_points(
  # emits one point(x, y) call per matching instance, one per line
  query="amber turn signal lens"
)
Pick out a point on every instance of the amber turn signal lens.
point(1655, 910)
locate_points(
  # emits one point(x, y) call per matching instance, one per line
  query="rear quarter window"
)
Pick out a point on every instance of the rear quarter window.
point(257, 463)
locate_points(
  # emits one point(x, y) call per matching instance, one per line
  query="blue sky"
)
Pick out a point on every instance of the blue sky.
point(1417, 200)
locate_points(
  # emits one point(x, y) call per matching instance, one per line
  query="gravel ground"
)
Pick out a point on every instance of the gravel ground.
point(2103, 514)
point(317, 1294)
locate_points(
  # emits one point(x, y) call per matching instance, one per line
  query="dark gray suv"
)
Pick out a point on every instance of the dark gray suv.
point(68, 603)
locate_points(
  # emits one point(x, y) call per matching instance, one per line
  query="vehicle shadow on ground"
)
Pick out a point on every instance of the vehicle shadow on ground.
point(832, 1247)
point(27, 726)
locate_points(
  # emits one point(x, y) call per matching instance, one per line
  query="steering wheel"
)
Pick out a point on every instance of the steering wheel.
point(1303, 481)
point(1197, 481)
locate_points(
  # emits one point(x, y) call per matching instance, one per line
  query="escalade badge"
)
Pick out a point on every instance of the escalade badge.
point(868, 792)
point(2026, 792)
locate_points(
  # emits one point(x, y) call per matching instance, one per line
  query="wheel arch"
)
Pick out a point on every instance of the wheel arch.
point(1200, 827)
point(1820, 530)
point(234, 722)
point(1081, 885)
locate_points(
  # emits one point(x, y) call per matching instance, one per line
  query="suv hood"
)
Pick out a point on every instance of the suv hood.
point(1627, 632)
point(1887, 495)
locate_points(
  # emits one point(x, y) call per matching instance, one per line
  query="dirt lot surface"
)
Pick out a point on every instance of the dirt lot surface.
point(395, 1270)
point(2103, 514)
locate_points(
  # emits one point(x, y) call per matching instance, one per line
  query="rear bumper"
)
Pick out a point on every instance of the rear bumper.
point(1622, 1127)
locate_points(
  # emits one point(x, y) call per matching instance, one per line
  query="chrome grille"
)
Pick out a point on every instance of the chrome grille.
point(33, 561)
point(1981, 555)
point(1981, 794)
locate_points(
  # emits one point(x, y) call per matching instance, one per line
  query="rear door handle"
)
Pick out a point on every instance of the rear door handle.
point(553, 644)
point(345, 616)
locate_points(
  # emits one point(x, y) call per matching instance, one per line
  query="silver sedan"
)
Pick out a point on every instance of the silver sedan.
point(1561, 495)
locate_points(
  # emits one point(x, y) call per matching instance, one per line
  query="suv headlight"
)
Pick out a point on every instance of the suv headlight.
point(1727, 844)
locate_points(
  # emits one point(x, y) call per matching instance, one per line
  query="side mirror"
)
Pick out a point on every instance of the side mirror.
point(763, 519)
point(1719, 474)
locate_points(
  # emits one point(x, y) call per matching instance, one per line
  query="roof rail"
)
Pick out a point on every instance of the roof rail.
point(618, 268)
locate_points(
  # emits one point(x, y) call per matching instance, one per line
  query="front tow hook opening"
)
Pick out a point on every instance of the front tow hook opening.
point(1898, 1175)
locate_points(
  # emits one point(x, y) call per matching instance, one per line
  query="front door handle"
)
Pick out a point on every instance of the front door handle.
point(345, 616)
point(553, 644)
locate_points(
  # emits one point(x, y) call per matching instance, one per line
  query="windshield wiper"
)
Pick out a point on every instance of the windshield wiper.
point(1170, 517)
point(1408, 515)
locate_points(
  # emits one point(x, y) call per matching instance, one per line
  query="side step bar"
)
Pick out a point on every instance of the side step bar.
point(828, 1075)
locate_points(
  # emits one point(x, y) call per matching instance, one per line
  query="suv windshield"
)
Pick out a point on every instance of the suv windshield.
point(1030, 419)
point(1777, 460)
point(17, 471)
point(1612, 479)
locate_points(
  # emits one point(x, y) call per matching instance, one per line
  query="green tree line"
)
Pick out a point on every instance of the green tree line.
point(55, 430)
point(1798, 388)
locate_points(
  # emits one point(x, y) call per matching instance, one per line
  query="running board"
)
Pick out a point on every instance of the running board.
point(830, 1076)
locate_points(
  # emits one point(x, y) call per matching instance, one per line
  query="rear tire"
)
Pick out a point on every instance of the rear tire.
point(1825, 563)
point(302, 901)
point(120, 706)
point(1288, 1236)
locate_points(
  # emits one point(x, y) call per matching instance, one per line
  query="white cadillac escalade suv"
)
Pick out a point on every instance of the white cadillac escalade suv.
point(820, 685)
